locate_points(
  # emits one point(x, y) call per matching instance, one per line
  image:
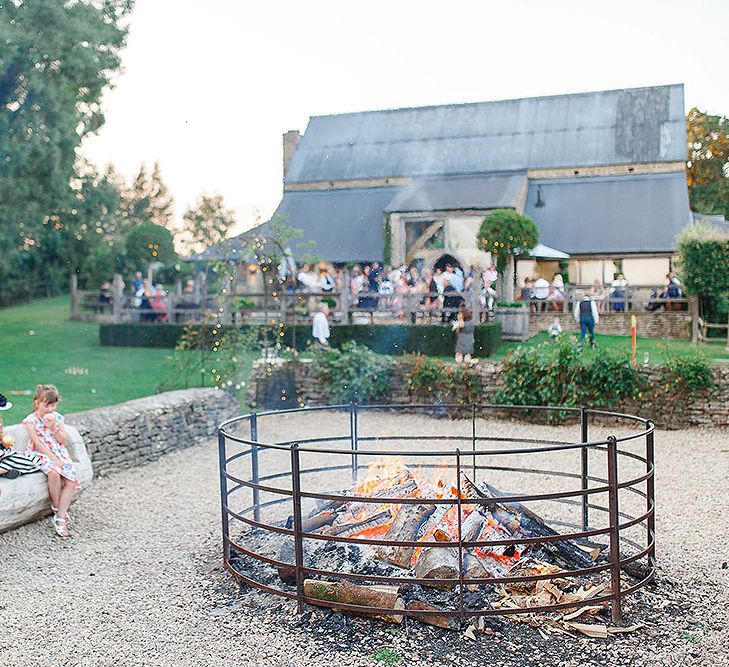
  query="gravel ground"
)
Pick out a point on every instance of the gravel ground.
point(141, 582)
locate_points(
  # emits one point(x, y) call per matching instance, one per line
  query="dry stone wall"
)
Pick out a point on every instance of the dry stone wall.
point(706, 409)
point(650, 325)
point(139, 431)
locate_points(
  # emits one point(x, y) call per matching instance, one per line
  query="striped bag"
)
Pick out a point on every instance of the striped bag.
point(12, 460)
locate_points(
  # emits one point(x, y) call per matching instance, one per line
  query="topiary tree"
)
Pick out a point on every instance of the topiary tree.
point(507, 234)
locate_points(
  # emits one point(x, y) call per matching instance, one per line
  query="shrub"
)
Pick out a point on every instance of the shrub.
point(354, 373)
point(561, 374)
point(680, 377)
point(393, 339)
point(433, 377)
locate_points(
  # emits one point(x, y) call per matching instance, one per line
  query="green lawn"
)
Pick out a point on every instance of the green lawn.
point(41, 345)
point(655, 347)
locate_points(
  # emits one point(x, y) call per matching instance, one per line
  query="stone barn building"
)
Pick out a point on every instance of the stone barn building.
point(602, 174)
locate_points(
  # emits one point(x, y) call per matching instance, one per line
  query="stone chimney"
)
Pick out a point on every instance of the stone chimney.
point(291, 140)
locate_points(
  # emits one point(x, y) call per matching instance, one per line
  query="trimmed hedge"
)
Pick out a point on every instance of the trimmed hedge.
point(393, 339)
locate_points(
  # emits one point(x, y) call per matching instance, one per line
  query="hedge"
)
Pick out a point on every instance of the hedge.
point(431, 340)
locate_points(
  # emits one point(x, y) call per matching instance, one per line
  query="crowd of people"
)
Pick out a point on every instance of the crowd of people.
point(373, 286)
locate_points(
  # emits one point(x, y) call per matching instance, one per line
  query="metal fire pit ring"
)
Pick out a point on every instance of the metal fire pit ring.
point(355, 449)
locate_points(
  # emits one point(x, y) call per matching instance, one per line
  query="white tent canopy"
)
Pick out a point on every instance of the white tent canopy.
point(541, 251)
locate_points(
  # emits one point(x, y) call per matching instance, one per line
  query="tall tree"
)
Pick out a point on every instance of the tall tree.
point(149, 199)
point(208, 222)
point(56, 59)
point(707, 168)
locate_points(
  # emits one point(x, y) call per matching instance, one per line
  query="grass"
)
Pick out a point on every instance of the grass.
point(41, 345)
point(656, 348)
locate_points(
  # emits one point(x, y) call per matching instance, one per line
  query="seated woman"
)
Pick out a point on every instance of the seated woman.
point(555, 298)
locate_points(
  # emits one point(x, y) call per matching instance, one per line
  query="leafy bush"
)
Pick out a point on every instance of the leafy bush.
point(561, 374)
point(428, 376)
point(354, 373)
point(681, 376)
point(392, 339)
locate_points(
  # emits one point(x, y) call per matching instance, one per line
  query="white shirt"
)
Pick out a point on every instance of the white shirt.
point(320, 328)
point(455, 280)
point(541, 288)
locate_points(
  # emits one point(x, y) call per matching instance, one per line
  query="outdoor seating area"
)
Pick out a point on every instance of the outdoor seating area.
point(365, 294)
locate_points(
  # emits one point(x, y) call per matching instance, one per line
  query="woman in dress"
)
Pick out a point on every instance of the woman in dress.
point(465, 328)
point(48, 440)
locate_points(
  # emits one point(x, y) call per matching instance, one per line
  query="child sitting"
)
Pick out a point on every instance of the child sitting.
point(48, 441)
point(555, 329)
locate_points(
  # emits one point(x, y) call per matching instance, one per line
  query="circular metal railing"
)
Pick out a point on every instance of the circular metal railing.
point(264, 485)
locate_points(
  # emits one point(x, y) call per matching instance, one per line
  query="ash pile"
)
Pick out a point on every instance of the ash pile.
point(454, 575)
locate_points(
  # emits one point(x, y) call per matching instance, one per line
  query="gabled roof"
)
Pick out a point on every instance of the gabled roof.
point(618, 214)
point(459, 193)
point(600, 128)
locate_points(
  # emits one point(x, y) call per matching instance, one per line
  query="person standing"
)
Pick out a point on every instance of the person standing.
point(586, 314)
point(320, 325)
point(465, 327)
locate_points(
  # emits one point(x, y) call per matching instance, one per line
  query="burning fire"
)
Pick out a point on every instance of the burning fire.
point(390, 478)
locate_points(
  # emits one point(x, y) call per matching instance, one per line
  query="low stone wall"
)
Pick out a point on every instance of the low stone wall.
point(709, 409)
point(651, 325)
point(139, 431)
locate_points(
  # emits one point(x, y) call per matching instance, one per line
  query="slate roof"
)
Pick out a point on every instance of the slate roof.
point(619, 214)
point(346, 225)
point(459, 193)
point(599, 128)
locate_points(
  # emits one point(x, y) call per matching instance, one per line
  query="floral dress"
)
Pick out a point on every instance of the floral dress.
point(43, 433)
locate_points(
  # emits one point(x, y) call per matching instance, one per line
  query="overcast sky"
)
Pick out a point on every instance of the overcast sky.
point(209, 88)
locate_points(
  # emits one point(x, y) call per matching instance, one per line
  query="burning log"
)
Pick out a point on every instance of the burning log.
point(349, 529)
point(438, 563)
point(563, 552)
point(312, 523)
point(404, 529)
point(402, 490)
point(367, 597)
point(440, 621)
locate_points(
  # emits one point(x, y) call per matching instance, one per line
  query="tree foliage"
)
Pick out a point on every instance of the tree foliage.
point(149, 199)
point(703, 261)
point(56, 59)
point(147, 243)
point(208, 222)
point(504, 233)
point(708, 162)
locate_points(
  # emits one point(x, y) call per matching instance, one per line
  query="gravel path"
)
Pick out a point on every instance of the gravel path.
point(141, 583)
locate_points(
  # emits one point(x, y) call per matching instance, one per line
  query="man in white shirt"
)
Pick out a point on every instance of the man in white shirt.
point(320, 325)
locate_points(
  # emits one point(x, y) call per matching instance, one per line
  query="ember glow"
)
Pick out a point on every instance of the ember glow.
point(389, 478)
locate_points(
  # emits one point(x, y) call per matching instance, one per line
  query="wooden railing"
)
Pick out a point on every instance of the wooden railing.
point(230, 306)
